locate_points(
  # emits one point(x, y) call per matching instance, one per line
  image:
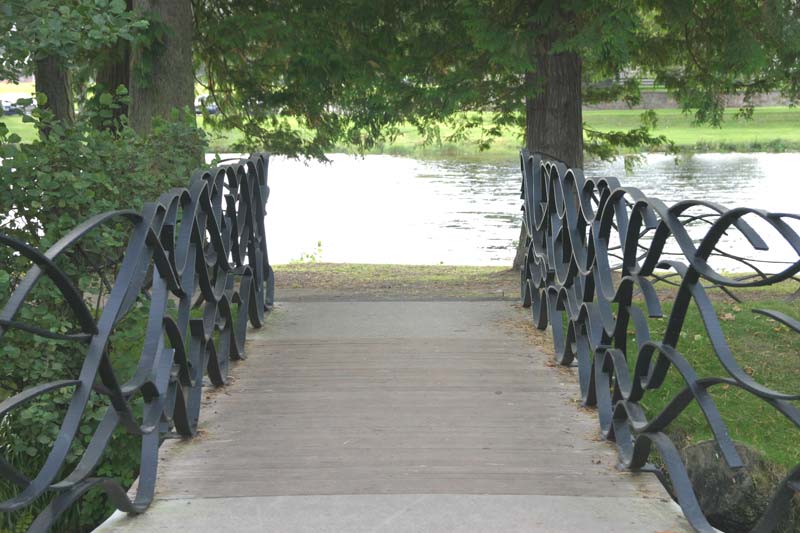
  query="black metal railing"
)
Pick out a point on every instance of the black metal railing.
point(596, 250)
point(199, 256)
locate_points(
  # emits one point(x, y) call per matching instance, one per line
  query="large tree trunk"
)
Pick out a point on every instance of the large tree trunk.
point(52, 79)
point(169, 82)
point(553, 117)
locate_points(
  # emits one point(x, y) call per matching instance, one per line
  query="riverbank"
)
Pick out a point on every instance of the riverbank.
point(772, 129)
point(353, 281)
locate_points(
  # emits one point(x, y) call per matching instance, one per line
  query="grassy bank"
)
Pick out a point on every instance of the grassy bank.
point(21, 88)
point(764, 348)
point(218, 141)
point(408, 282)
point(772, 129)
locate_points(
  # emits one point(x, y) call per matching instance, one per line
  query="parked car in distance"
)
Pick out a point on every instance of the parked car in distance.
point(17, 103)
point(10, 109)
point(202, 102)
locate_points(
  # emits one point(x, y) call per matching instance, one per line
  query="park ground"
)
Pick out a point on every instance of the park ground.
point(771, 129)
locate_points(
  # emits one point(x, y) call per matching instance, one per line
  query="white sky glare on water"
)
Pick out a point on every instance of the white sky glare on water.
point(386, 209)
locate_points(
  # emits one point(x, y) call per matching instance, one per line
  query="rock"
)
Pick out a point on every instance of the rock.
point(734, 500)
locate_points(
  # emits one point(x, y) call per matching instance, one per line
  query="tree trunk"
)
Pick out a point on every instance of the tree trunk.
point(553, 116)
point(52, 79)
point(168, 82)
point(115, 69)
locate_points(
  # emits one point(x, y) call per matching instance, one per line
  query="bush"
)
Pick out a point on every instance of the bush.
point(47, 187)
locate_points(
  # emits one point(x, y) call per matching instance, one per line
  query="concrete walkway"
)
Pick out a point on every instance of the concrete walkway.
point(398, 416)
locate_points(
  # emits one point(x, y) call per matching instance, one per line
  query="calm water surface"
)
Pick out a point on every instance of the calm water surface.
point(386, 209)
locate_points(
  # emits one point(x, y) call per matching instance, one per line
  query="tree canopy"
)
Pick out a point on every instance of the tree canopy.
point(73, 31)
point(298, 77)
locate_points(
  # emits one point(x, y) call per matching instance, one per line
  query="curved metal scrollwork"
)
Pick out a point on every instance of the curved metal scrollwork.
point(200, 255)
point(576, 226)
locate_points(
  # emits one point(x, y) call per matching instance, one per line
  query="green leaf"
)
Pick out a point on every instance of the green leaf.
point(14, 138)
point(117, 6)
point(106, 99)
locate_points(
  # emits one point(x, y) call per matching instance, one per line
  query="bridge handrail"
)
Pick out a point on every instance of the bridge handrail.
point(205, 246)
point(574, 224)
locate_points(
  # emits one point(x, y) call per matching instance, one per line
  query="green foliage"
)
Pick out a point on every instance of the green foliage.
point(71, 30)
point(703, 51)
point(296, 77)
point(299, 77)
point(49, 186)
point(55, 182)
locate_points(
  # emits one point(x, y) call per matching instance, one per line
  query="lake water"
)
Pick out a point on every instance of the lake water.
point(386, 209)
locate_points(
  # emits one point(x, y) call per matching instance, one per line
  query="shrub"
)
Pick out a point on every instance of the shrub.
point(47, 187)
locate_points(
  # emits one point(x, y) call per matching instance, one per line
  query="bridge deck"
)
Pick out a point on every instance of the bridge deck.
point(398, 416)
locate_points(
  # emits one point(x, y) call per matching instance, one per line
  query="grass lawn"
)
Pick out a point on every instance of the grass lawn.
point(764, 348)
point(769, 127)
point(23, 129)
point(218, 141)
point(774, 129)
point(11, 88)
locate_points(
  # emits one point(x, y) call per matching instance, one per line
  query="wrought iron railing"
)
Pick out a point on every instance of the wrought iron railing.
point(199, 255)
point(577, 228)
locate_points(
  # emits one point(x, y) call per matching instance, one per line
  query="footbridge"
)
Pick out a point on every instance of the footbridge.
point(264, 412)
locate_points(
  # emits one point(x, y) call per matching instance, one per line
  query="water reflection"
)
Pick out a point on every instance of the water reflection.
point(729, 179)
point(764, 181)
point(385, 209)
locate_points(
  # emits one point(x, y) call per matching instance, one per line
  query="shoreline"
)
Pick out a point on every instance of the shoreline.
point(772, 130)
